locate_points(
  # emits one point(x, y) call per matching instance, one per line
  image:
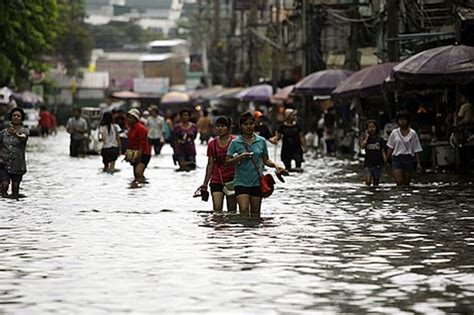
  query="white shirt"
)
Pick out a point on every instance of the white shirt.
point(77, 124)
point(109, 138)
point(404, 145)
point(155, 127)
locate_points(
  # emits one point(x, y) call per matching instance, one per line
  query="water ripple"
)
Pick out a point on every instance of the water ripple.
point(83, 242)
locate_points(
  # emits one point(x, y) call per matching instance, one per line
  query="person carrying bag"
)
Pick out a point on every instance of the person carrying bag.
point(249, 153)
point(267, 183)
point(218, 176)
point(138, 153)
point(132, 156)
point(227, 187)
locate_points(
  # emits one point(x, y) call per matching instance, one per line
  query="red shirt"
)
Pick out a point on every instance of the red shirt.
point(219, 162)
point(53, 121)
point(46, 120)
point(138, 138)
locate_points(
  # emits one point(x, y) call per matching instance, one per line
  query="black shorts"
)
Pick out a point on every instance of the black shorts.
point(251, 191)
point(404, 162)
point(44, 131)
point(7, 177)
point(109, 154)
point(216, 188)
point(185, 158)
point(144, 159)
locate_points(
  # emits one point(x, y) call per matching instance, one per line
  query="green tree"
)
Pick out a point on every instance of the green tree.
point(28, 29)
point(74, 42)
point(33, 32)
point(117, 34)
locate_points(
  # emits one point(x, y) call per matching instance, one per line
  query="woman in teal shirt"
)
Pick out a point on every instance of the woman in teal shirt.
point(242, 150)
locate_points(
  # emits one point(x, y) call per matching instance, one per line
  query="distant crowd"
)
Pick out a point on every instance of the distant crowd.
point(235, 170)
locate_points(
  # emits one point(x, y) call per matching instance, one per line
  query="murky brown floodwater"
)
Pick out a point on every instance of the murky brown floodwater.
point(82, 242)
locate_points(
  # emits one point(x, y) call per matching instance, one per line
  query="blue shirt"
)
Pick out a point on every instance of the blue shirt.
point(245, 173)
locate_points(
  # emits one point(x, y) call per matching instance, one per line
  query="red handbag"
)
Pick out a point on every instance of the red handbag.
point(267, 183)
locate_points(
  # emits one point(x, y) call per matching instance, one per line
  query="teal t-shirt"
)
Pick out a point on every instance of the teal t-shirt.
point(245, 173)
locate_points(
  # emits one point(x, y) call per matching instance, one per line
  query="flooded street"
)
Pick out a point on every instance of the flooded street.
point(83, 242)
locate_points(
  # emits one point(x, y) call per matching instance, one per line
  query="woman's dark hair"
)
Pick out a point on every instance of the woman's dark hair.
point(371, 121)
point(224, 120)
point(404, 114)
point(244, 117)
point(107, 120)
point(185, 110)
point(17, 109)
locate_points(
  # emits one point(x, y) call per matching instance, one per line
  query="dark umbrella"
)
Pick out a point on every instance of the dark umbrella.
point(441, 65)
point(365, 82)
point(321, 82)
point(261, 92)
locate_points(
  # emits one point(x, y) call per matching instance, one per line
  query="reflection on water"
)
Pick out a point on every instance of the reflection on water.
point(82, 242)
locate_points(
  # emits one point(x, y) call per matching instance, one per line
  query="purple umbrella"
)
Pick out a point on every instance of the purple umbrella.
point(321, 82)
point(208, 93)
point(28, 97)
point(365, 82)
point(441, 65)
point(261, 92)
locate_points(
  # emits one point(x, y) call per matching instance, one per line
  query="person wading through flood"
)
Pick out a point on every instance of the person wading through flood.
point(403, 149)
point(12, 153)
point(249, 153)
point(184, 134)
point(138, 151)
point(221, 177)
point(294, 143)
point(46, 121)
point(261, 128)
point(156, 129)
point(77, 127)
point(109, 135)
point(204, 125)
point(375, 156)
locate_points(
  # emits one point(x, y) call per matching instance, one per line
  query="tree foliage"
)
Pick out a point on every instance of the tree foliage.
point(28, 29)
point(117, 35)
point(33, 32)
point(74, 42)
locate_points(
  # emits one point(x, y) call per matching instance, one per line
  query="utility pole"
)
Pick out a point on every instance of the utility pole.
point(253, 21)
point(275, 52)
point(352, 56)
point(393, 49)
point(216, 51)
point(216, 18)
point(304, 35)
point(231, 56)
point(242, 41)
point(208, 52)
point(304, 58)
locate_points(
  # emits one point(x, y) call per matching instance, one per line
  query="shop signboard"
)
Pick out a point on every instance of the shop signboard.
point(151, 85)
